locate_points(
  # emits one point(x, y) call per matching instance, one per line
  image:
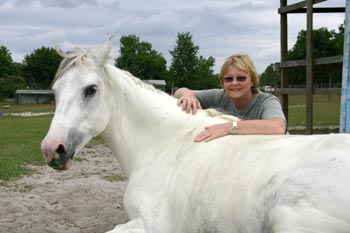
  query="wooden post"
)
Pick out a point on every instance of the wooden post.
point(284, 57)
point(345, 91)
point(309, 66)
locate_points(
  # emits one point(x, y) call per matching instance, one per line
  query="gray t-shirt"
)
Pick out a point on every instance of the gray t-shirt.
point(262, 106)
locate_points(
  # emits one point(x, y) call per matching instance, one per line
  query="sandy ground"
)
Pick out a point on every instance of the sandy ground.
point(87, 198)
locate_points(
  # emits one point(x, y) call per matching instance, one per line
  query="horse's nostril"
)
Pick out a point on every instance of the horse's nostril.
point(59, 159)
point(60, 150)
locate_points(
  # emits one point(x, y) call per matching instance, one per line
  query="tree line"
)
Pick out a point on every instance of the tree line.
point(188, 68)
point(326, 43)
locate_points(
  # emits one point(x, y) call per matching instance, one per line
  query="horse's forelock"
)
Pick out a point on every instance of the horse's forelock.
point(70, 59)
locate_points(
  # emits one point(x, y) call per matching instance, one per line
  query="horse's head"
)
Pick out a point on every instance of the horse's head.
point(82, 111)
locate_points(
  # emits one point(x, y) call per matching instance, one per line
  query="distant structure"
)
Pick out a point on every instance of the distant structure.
point(47, 97)
point(159, 84)
point(34, 97)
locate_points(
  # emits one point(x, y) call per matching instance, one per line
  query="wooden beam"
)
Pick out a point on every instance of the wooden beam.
point(290, 91)
point(295, 6)
point(284, 57)
point(320, 10)
point(317, 61)
point(309, 66)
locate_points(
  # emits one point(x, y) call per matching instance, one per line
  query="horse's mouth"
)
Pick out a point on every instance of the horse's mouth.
point(56, 164)
point(62, 159)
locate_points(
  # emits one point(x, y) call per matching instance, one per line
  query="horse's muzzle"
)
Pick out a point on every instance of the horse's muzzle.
point(60, 158)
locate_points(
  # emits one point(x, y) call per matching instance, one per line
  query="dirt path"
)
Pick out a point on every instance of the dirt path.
point(87, 198)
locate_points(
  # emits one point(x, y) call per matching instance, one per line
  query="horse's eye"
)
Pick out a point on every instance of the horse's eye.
point(90, 90)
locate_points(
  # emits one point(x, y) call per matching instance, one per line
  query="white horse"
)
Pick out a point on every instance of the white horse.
point(247, 184)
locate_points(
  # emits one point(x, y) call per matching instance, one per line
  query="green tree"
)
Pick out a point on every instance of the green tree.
point(206, 79)
point(338, 40)
point(140, 59)
point(9, 85)
point(7, 67)
point(18, 69)
point(325, 43)
point(187, 69)
point(270, 77)
point(39, 67)
point(184, 61)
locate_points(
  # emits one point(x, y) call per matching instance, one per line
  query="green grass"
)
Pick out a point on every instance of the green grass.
point(20, 139)
point(326, 110)
point(115, 177)
point(7, 107)
point(79, 159)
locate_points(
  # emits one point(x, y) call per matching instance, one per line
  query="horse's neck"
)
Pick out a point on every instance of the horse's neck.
point(144, 121)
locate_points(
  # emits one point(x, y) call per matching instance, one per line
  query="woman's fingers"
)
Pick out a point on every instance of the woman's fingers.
point(212, 132)
point(189, 104)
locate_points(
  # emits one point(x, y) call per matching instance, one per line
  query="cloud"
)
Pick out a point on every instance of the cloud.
point(67, 3)
point(219, 27)
point(47, 3)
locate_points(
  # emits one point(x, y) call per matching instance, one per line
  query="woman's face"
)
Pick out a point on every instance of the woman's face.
point(237, 84)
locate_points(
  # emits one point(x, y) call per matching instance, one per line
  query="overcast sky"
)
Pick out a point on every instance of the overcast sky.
point(219, 27)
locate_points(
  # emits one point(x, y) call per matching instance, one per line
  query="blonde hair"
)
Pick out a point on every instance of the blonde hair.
point(243, 63)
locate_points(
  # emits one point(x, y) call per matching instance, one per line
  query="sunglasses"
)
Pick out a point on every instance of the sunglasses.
point(240, 79)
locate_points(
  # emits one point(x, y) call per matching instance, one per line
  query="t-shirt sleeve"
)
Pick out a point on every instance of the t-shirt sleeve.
point(208, 98)
point(272, 109)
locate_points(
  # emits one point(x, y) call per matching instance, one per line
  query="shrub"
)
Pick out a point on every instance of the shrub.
point(9, 85)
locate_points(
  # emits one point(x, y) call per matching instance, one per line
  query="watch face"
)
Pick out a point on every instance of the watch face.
point(234, 127)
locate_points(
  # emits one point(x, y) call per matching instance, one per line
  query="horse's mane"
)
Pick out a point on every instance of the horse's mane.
point(70, 59)
point(140, 83)
point(217, 114)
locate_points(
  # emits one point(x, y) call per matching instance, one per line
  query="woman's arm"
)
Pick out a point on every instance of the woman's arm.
point(244, 127)
point(272, 126)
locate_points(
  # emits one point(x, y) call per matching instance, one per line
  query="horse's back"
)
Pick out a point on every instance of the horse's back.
point(248, 183)
point(306, 174)
point(315, 195)
point(310, 193)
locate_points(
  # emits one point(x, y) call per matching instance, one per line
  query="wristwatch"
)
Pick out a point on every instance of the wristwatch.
point(234, 127)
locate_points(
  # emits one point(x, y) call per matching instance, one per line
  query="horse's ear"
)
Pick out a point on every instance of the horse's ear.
point(102, 53)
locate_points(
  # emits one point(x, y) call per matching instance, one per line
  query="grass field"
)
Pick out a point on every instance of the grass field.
point(6, 107)
point(20, 137)
point(326, 110)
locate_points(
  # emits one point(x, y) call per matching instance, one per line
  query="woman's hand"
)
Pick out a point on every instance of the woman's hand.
point(189, 104)
point(187, 100)
point(214, 131)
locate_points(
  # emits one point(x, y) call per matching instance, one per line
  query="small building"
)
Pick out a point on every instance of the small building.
point(34, 97)
point(159, 84)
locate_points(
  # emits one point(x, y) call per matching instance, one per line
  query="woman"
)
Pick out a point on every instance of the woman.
point(261, 113)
